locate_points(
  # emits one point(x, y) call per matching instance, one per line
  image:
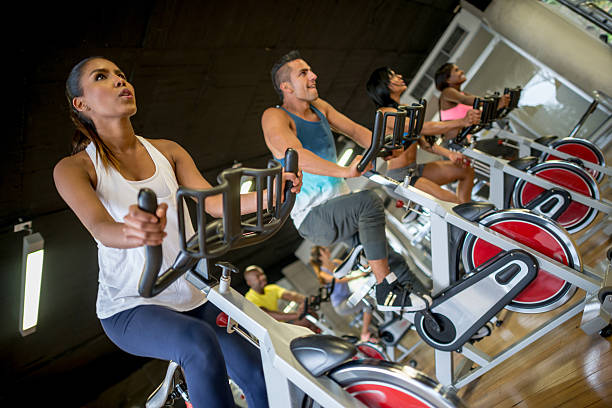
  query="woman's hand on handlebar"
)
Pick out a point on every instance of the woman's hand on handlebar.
point(472, 117)
point(503, 101)
point(352, 171)
point(143, 228)
point(458, 159)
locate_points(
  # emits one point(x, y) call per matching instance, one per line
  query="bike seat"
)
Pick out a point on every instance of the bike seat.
point(320, 353)
point(473, 210)
point(546, 140)
point(524, 163)
point(348, 263)
point(158, 398)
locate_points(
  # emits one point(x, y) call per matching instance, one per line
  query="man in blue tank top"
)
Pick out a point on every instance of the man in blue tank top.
point(326, 211)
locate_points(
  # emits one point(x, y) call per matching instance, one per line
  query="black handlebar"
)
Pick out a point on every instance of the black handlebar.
point(219, 236)
point(402, 134)
point(490, 113)
point(515, 96)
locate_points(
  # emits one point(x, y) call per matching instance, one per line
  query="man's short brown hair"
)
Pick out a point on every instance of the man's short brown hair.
point(280, 71)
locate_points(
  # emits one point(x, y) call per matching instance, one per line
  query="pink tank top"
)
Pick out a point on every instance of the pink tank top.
point(457, 112)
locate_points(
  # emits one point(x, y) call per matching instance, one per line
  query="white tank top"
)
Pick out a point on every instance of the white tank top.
point(120, 269)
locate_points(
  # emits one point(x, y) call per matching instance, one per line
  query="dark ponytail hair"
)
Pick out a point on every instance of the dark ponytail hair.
point(378, 88)
point(85, 132)
point(441, 76)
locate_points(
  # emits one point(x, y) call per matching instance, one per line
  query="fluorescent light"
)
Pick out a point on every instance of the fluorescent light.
point(245, 187)
point(31, 278)
point(346, 156)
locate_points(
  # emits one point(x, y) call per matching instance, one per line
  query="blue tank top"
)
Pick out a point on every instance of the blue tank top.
point(316, 189)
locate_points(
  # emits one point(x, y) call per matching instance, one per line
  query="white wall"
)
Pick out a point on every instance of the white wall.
point(556, 42)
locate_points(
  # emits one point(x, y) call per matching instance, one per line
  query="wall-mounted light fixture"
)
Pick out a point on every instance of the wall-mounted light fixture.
point(31, 278)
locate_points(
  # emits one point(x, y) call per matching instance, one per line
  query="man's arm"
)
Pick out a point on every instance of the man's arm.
point(284, 317)
point(279, 137)
point(294, 296)
point(360, 134)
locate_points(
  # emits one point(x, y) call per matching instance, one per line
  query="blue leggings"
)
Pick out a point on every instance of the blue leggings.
point(198, 345)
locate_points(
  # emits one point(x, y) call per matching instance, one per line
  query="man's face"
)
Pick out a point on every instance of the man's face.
point(302, 82)
point(256, 279)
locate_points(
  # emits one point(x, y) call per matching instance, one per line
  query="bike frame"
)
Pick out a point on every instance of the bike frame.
point(442, 217)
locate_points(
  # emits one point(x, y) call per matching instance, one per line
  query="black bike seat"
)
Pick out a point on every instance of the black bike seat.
point(524, 163)
point(473, 210)
point(546, 140)
point(319, 353)
point(348, 263)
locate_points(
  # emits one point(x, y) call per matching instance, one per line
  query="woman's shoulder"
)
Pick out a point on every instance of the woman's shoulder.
point(75, 162)
point(165, 144)
point(78, 165)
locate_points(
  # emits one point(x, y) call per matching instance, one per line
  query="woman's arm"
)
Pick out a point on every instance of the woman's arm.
point(455, 157)
point(188, 175)
point(73, 180)
point(328, 278)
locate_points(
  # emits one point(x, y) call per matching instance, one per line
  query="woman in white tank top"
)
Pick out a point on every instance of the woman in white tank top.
point(100, 182)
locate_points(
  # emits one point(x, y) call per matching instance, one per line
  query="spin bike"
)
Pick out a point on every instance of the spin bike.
point(550, 147)
point(485, 260)
point(559, 189)
point(300, 369)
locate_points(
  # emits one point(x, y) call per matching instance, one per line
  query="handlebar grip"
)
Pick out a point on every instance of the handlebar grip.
point(147, 201)
point(291, 161)
point(377, 136)
point(305, 312)
point(291, 166)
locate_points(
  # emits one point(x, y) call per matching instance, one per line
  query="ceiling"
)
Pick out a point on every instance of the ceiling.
point(201, 74)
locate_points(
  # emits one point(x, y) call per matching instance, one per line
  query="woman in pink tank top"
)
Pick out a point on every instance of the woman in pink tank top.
point(454, 103)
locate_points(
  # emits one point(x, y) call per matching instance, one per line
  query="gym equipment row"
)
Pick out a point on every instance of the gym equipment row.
point(559, 189)
point(300, 369)
point(484, 260)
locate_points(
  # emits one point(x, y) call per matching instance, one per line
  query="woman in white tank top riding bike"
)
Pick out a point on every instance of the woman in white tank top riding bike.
point(100, 183)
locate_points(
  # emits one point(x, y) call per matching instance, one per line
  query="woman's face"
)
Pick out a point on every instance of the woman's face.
point(396, 83)
point(457, 76)
point(106, 91)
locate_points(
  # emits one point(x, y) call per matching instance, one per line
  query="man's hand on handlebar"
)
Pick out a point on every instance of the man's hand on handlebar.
point(301, 309)
point(143, 228)
point(295, 179)
point(352, 170)
point(472, 117)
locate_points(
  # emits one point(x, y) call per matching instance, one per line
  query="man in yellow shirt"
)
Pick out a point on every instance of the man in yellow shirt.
point(267, 296)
